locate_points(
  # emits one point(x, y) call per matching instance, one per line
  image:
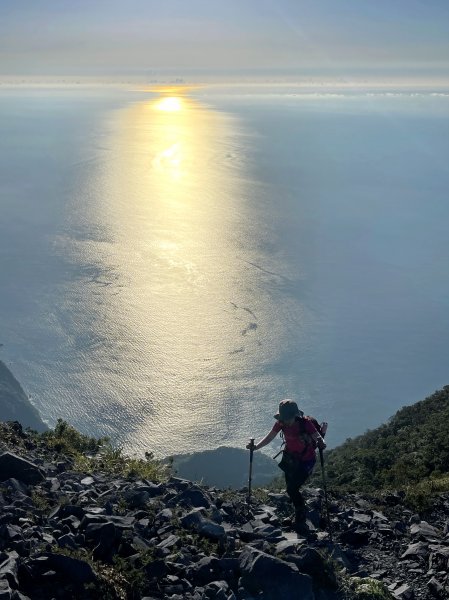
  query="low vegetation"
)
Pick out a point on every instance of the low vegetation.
point(90, 455)
point(409, 452)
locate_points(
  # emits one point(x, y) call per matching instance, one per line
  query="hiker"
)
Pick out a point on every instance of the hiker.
point(298, 459)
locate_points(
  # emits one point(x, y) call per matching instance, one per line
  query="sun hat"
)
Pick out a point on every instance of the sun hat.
point(288, 409)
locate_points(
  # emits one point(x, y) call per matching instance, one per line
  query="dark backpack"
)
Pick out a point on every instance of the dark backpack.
point(321, 429)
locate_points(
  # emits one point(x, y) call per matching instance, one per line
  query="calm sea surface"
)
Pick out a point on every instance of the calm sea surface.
point(171, 266)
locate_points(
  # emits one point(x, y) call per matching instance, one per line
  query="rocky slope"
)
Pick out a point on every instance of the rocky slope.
point(69, 533)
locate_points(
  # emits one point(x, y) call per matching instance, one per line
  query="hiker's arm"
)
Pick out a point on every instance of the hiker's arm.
point(266, 440)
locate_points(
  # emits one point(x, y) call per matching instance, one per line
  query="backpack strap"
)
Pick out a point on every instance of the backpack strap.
point(282, 445)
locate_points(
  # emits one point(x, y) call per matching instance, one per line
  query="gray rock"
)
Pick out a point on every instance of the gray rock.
point(10, 532)
point(288, 546)
point(96, 510)
point(311, 562)
point(342, 558)
point(103, 533)
point(156, 569)
point(67, 541)
point(418, 549)
point(5, 590)
point(164, 515)
point(87, 481)
point(212, 530)
point(386, 531)
point(194, 497)
point(217, 590)
point(424, 530)
point(205, 570)
point(273, 577)
point(378, 516)
point(121, 523)
point(136, 498)
point(14, 485)
point(13, 466)
point(436, 588)
point(362, 518)
point(74, 569)
point(439, 557)
point(268, 532)
point(153, 489)
point(355, 537)
point(193, 519)
point(404, 592)
point(90, 519)
point(71, 522)
point(170, 542)
point(16, 595)
point(8, 569)
point(68, 510)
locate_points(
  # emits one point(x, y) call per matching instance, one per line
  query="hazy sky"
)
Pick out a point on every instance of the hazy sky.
point(57, 37)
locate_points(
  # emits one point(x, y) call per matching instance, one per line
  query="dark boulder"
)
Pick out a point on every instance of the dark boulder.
point(13, 466)
point(273, 577)
point(74, 569)
point(311, 562)
point(355, 537)
point(205, 571)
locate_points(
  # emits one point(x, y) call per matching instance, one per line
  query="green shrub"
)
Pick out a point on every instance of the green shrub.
point(67, 440)
point(113, 461)
point(365, 588)
point(89, 454)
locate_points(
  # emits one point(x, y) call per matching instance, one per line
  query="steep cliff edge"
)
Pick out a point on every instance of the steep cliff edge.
point(14, 403)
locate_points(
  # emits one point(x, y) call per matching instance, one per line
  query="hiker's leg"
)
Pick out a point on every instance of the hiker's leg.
point(294, 480)
point(299, 505)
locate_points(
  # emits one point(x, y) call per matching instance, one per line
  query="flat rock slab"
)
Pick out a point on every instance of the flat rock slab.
point(273, 577)
point(13, 466)
point(424, 530)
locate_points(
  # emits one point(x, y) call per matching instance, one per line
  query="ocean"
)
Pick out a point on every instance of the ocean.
point(175, 262)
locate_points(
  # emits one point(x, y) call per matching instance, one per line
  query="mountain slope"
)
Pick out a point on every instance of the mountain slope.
point(411, 447)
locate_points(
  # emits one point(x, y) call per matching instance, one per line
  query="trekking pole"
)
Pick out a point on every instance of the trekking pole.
point(329, 526)
point(250, 478)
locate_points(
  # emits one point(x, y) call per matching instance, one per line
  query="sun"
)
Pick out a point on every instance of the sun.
point(169, 104)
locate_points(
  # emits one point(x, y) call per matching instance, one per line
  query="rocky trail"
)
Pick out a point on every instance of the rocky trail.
point(68, 534)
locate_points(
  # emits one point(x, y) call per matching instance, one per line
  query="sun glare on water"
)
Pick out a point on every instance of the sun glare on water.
point(170, 104)
point(172, 202)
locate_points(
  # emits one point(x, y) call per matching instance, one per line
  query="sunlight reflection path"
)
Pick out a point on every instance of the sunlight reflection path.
point(174, 203)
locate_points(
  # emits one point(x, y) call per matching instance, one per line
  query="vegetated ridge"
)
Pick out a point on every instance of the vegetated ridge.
point(410, 451)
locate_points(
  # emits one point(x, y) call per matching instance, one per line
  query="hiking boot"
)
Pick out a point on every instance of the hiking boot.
point(299, 516)
point(302, 529)
point(287, 522)
point(300, 525)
